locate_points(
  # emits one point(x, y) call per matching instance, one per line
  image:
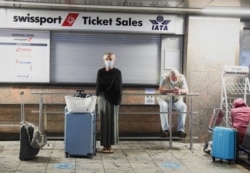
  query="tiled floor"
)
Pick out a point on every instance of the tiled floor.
point(128, 157)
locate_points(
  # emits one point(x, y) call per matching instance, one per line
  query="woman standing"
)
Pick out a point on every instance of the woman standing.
point(109, 92)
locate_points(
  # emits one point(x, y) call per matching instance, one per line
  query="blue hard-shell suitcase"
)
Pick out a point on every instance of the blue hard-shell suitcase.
point(224, 144)
point(79, 134)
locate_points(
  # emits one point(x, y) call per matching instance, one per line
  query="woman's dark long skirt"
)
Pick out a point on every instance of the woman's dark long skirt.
point(109, 115)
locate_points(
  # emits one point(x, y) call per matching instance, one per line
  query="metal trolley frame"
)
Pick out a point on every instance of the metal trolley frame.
point(235, 84)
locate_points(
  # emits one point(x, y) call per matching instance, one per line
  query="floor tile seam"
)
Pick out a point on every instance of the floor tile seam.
point(101, 156)
point(181, 163)
point(124, 153)
point(127, 160)
point(155, 163)
point(19, 164)
point(19, 161)
point(50, 155)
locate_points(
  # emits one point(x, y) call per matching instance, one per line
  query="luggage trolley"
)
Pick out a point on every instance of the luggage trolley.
point(235, 84)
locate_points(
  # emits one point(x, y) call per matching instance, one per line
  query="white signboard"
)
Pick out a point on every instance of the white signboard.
point(41, 19)
point(24, 56)
point(2, 18)
point(149, 99)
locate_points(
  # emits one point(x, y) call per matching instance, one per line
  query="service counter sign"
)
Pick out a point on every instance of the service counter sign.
point(24, 56)
point(61, 20)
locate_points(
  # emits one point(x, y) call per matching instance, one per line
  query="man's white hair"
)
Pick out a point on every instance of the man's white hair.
point(174, 71)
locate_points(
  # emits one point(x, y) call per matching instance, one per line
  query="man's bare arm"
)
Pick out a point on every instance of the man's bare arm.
point(165, 91)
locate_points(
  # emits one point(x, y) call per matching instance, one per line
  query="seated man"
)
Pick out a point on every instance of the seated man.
point(173, 82)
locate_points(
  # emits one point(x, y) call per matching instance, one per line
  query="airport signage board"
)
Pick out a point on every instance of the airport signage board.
point(89, 21)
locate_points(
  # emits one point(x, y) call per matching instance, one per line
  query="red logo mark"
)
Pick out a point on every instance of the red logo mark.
point(70, 19)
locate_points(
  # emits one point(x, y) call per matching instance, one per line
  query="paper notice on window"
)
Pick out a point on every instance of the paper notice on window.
point(25, 56)
point(149, 99)
point(171, 58)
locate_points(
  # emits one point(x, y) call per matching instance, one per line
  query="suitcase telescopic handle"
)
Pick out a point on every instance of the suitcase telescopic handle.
point(80, 91)
point(22, 106)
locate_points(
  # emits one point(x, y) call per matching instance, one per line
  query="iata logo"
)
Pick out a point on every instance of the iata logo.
point(70, 19)
point(159, 24)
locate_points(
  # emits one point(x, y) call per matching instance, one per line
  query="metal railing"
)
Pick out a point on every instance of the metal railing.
point(170, 112)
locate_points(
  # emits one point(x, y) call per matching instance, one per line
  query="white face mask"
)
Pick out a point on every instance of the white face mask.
point(173, 82)
point(108, 64)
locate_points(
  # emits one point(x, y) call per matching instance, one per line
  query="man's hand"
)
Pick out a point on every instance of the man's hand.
point(177, 90)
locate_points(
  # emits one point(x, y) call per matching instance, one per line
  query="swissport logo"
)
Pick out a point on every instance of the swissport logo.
point(70, 19)
point(41, 20)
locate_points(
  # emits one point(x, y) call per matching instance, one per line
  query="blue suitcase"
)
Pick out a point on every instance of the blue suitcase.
point(79, 134)
point(224, 144)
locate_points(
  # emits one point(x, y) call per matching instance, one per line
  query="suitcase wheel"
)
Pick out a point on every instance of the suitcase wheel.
point(67, 155)
point(213, 159)
point(89, 155)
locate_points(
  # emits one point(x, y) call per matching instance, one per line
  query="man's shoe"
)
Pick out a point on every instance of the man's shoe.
point(181, 134)
point(165, 133)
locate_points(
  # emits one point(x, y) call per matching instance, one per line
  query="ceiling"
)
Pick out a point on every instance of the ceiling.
point(139, 6)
